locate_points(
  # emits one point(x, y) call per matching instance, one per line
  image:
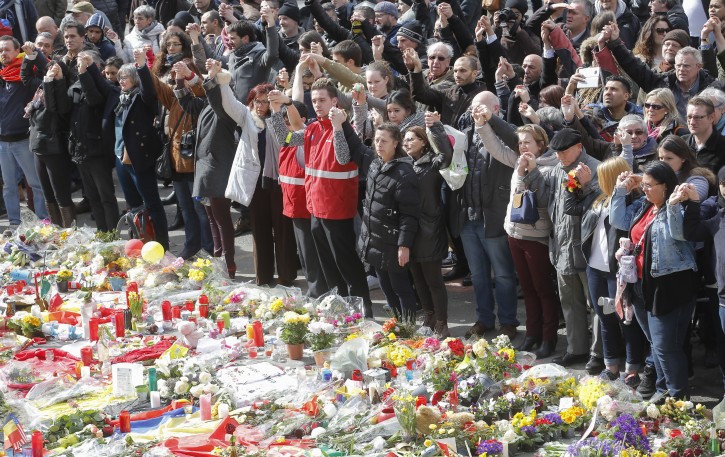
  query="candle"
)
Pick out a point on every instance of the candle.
point(120, 321)
point(87, 355)
point(205, 406)
point(220, 323)
point(166, 310)
point(189, 305)
point(79, 365)
point(155, 397)
point(253, 352)
point(152, 380)
point(176, 312)
point(85, 372)
point(250, 332)
point(258, 334)
point(93, 326)
point(203, 310)
point(124, 421)
point(227, 319)
point(223, 410)
point(36, 442)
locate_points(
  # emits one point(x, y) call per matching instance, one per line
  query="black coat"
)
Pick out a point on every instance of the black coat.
point(107, 93)
point(47, 127)
point(431, 240)
point(451, 102)
point(711, 155)
point(140, 137)
point(390, 212)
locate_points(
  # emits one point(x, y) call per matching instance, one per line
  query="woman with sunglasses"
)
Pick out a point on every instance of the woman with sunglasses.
point(664, 294)
point(651, 38)
point(660, 112)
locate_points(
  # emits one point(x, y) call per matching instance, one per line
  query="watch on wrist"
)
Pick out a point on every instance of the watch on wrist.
point(289, 103)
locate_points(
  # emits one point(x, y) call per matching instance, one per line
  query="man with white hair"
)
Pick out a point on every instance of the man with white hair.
point(717, 97)
point(439, 73)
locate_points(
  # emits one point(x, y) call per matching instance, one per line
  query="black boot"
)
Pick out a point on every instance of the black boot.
point(546, 349)
point(459, 271)
point(530, 342)
point(178, 220)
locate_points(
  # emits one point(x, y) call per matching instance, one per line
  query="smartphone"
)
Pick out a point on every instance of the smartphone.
point(593, 77)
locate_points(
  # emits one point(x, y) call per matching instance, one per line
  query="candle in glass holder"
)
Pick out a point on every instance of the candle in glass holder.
point(223, 410)
point(85, 372)
point(155, 397)
point(205, 407)
point(189, 305)
point(87, 356)
point(153, 383)
point(166, 310)
point(120, 321)
point(93, 325)
point(250, 332)
point(258, 334)
point(176, 312)
point(36, 443)
point(220, 323)
point(124, 422)
point(252, 352)
point(204, 310)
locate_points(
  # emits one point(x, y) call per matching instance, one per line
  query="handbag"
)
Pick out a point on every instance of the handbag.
point(627, 269)
point(246, 166)
point(455, 174)
point(163, 162)
point(188, 144)
point(523, 207)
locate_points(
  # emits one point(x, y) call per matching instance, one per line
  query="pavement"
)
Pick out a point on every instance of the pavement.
point(706, 385)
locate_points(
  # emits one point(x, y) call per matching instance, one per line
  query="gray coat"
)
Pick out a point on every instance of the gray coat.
point(565, 247)
point(253, 67)
point(215, 143)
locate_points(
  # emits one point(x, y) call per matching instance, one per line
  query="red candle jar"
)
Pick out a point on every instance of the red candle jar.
point(87, 356)
point(124, 422)
point(253, 352)
point(204, 311)
point(176, 312)
point(120, 321)
point(189, 305)
point(220, 323)
point(356, 375)
point(93, 326)
point(36, 442)
point(258, 334)
point(166, 310)
point(409, 364)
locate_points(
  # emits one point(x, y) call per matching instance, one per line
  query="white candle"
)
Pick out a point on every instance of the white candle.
point(505, 449)
point(85, 372)
point(205, 407)
point(223, 410)
point(155, 399)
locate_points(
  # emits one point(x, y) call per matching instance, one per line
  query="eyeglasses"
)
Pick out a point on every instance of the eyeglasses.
point(662, 31)
point(261, 102)
point(696, 117)
point(173, 44)
point(634, 132)
point(646, 186)
point(438, 58)
point(653, 106)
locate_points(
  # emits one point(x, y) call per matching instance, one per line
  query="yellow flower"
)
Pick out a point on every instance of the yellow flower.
point(508, 352)
point(352, 336)
point(202, 263)
point(196, 275)
point(433, 426)
point(226, 300)
point(659, 454)
point(276, 305)
point(427, 443)
point(392, 337)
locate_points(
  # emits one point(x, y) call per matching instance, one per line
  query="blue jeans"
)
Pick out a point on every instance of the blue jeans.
point(721, 342)
point(196, 222)
point(613, 331)
point(14, 154)
point(483, 254)
point(144, 187)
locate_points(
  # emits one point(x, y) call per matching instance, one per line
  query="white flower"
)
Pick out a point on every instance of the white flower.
point(480, 347)
point(165, 392)
point(653, 411)
point(163, 367)
point(689, 405)
point(510, 436)
point(211, 389)
point(268, 315)
point(318, 327)
point(184, 379)
point(204, 377)
point(181, 387)
point(197, 390)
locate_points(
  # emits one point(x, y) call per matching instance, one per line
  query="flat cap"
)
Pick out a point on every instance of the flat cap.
point(387, 8)
point(564, 139)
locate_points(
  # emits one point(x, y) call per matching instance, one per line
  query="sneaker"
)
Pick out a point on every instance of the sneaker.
point(648, 381)
point(632, 380)
point(478, 329)
point(449, 261)
point(373, 282)
point(608, 375)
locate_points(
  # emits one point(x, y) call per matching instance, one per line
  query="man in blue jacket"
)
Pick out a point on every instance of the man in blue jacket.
point(14, 136)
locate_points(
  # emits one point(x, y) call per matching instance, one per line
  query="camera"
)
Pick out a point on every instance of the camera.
point(506, 15)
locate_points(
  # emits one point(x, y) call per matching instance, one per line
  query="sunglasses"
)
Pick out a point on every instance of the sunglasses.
point(653, 106)
point(438, 58)
point(662, 31)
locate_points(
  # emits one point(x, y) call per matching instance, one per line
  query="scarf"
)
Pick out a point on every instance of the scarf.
point(171, 59)
point(11, 73)
point(242, 50)
point(125, 99)
point(144, 34)
point(415, 119)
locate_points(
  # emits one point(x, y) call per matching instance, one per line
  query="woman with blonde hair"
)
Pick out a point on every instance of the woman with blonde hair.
point(529, 243)
point(599, 242)
point(660, 112)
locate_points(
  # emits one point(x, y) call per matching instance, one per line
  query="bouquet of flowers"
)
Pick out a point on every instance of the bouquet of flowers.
point(294, 327)
point(572, 183)
point(321, 335)
point(201, 269)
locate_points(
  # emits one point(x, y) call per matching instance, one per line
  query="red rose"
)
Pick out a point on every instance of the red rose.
point(456, 348)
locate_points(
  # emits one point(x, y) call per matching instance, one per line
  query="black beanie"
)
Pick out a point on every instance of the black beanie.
point(291, 11)
point(412, 31)
point(520, 5)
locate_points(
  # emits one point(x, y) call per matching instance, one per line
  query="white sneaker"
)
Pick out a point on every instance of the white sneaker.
point(373, 283)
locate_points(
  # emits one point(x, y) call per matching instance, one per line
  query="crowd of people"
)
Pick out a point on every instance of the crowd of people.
point(574, 151)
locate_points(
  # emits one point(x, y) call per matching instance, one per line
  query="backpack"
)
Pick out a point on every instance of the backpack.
point(139, 223)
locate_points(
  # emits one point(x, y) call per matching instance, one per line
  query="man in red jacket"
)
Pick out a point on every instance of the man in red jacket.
point(331, 183)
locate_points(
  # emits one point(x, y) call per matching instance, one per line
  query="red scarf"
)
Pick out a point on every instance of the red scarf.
point(11, 73)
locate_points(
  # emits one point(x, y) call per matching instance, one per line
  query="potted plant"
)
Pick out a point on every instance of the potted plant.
point(62, 278)
point(116, 279)
point(321, 337)
point(294, 331)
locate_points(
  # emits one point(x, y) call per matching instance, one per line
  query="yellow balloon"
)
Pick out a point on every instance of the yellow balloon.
point(152, 252)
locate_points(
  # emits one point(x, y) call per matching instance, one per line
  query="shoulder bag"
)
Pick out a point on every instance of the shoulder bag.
point(523, 207)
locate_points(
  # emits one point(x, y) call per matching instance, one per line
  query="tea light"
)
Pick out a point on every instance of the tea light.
point(85, 372)
point(155, 397)
point(223, 410)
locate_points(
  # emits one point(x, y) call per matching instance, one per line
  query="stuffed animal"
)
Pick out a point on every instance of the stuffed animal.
point(425, 416)
point(190, 335)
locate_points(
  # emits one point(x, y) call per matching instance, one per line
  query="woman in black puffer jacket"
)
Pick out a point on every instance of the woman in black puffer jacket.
point(431, 241)
point(390, 215)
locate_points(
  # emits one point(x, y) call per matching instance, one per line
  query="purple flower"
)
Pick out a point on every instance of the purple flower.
point(628, 432)
point(596, 446)
point(490, 447)
point(554, 418)
point(528, 430)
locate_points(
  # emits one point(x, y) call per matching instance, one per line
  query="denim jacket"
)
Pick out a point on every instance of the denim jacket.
point(670, 251)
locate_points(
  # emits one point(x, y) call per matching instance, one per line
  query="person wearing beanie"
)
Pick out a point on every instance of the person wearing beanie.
point(405, 12)
point(519, 5)
point(95, 34)
point(386, 18)
point(199, 7)
point(289, 23)
point(410, 35)
point(688, 81)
